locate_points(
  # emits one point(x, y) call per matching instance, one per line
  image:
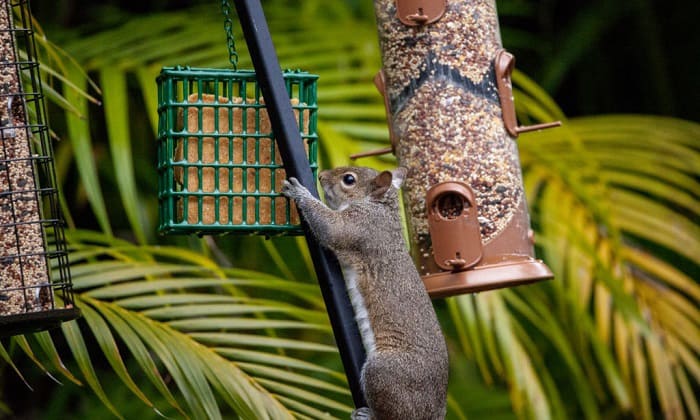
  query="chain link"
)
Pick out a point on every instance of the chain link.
point(228, 27)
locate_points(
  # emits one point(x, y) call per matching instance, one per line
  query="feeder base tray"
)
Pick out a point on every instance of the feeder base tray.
point(35, 321)
point(486, 277)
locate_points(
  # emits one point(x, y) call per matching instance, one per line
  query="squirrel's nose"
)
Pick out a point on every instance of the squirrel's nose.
point(323, 175)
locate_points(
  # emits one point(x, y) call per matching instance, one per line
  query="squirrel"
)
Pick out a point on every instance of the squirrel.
point(405, 373)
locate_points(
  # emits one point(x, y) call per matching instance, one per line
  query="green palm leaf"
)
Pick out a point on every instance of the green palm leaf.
point(182, 328)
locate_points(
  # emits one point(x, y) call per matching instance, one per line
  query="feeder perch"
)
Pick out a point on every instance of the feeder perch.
point(449, 102)
point(35, 284)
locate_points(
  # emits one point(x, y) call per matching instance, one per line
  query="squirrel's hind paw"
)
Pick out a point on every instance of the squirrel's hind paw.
point(363, 413)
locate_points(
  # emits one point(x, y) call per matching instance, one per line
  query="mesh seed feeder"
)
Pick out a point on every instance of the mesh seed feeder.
point(219, 168)
point(446, 83)
point(35, 284)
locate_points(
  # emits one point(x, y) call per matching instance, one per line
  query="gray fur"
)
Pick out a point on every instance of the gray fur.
point(406, 372)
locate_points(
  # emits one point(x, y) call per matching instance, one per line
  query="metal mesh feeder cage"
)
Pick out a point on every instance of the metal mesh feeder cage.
point(35, 284)
point(219, 168)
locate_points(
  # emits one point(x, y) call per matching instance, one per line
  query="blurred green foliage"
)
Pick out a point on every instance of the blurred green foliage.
point(208, 327)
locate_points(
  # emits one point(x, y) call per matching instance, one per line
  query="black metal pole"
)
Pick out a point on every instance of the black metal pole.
point(296, 164)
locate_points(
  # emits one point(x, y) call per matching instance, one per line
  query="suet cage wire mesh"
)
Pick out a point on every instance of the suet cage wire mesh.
point(35, 284)
point(219, 168)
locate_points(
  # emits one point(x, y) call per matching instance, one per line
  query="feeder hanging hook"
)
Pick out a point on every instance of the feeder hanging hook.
point(228, 27)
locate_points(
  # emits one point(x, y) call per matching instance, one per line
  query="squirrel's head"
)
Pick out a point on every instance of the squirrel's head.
point(346, 185)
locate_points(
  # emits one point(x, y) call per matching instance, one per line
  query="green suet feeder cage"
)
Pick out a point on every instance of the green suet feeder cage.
point(219, 170)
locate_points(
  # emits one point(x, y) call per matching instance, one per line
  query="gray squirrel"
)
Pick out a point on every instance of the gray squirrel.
point(406, 371)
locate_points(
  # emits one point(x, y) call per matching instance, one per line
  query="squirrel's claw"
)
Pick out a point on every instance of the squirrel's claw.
point(286, 188)
point(363, 413)
point(293, 189)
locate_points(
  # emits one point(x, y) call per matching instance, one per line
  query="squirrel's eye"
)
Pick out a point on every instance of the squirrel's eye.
point(349, 180)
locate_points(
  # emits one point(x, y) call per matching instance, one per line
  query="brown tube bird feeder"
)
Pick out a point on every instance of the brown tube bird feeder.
point(446, 84)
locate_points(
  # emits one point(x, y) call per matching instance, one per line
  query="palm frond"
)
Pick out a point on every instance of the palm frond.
point(611, 241)
point(173, 320)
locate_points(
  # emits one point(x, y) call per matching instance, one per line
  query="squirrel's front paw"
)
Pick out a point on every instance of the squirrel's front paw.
point(294, 190)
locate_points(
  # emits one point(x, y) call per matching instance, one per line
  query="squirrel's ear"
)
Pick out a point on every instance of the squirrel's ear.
point(380, 184)
point(399, 175)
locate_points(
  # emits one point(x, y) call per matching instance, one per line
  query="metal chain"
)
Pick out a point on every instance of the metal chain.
point(228, 27)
